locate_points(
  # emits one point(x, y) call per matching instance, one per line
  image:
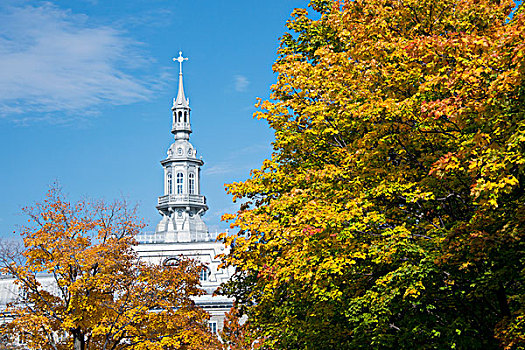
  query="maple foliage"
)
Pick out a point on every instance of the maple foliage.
point(81, 285)
point(391, 214)
point(236, 333)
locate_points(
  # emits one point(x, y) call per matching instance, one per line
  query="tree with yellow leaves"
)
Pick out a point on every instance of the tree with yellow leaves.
point(81, 284)
point(391, 214)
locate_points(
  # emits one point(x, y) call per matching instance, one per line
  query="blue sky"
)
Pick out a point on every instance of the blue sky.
point(86, 89)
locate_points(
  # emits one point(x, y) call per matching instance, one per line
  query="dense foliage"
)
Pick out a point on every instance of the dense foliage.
point(82, 286)
point(391, 214)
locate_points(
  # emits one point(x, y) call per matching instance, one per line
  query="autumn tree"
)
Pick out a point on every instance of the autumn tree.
point(237, 334)
point(81, 285)
point(391, 213)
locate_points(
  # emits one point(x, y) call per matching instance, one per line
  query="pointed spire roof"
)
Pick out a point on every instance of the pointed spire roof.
point(181, 100)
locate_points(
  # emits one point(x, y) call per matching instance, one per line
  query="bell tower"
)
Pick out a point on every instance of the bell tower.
point(182, 204)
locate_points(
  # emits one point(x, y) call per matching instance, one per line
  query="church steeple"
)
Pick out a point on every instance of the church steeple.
point(182, 205)
point(181, 126)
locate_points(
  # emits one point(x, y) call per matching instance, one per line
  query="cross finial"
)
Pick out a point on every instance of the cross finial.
point(180, 59)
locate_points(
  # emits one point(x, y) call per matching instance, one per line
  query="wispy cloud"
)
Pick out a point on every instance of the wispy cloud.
point(154, 17)
point(234, 162)
point(241, 83)
point(255, 149)
point(52, 60)
point(213, 218)
point(217, 169)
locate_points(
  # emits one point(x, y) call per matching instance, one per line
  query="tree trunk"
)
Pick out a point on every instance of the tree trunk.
point(79, 343)
point(502, 300)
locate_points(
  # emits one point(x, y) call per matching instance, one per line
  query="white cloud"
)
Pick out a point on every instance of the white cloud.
point(213, 218)
point(233, 162)
point(222, 168)
point(241, 83)
point(52, 60)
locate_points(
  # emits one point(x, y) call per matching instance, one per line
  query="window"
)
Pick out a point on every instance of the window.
point(180, 181)
point(171, 262)
point(204, 273)
point(180, 116)
point(186, 116)
point(191, 180)
point(213, 327)
point(170, 184)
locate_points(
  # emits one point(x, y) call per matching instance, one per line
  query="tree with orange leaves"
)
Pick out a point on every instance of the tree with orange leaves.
point(82, 286)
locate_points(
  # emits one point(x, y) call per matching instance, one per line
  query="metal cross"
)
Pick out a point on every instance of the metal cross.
point(180, 59)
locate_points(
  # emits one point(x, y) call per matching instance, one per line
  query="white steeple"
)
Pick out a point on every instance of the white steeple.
point(182, 205)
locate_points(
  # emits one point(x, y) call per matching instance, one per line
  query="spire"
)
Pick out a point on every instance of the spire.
point(181, 126)
point(181, 100)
